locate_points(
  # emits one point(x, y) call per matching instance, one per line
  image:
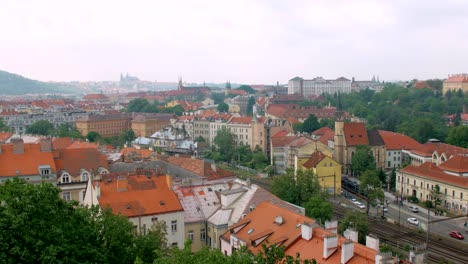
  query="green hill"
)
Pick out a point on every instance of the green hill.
point(13, 84)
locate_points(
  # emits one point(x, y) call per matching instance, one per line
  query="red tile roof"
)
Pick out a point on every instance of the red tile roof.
point(457, 78)
point(280, 133)
point(73, 160)
point(321, 131)
point(5, 135)
point(421, 85)
point(138, 195)
point(241, 120)
point(397, 141)
point(431, 171)
point(428, 148)
point(315, 159)
point(328, 136)
point(237, 92)
point(95, 97)
point(199, 167)
point(277, 142)
point(355, 134)
point(24, 164)
point(68, 142)
point(144, 153)
point(457, 164)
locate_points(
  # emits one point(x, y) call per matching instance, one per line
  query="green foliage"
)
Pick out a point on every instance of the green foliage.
point(178, 110)
point(296, 190)
point(4, 127)
point(153, 245)
point(297, 127)
point(362, 159)
point(224, 141)
point(13, 84)
point(41, 127)
point(458, 136)
point(436, 196)
point(357, 221)
point(318, 207)
point(139, 105)
point(393, 180)
point(371, 187)
point(327, 122)
point(247, 88)
point(218, 98)
point(310, 124)
point(67, 130)
point(127, 136)
point(223, 107)
point(93, 136)
point(250, 105)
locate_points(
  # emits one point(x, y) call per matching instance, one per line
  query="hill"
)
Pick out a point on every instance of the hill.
point(13, 84)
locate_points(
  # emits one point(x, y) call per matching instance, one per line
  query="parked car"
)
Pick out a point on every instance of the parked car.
point(384, 208)
point(413, 221)
point(362, 206)
point(353, 200)
point(456, 234)
point(413, 208)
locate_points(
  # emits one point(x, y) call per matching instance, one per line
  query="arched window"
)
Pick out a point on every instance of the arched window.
point(84, 176)
point(65, 178)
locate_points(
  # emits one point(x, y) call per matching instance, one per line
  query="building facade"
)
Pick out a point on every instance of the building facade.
point(105, 125)
point(146, 124)
point(21, 122)
point(318, 86)
point(456, 82)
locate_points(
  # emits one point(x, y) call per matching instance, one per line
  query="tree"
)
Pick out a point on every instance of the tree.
point(224, 141)
point(357, 221)
point(371, 187)
point(393, 180)
point(297, 127)
point(218, 98)
point(362, 159)
point(259, 160)
point(310, 124)
point(41, 127)
point(458, 136)
point(223, 107)
point(318, 207)
point(127, 136)
point(296, 189)
point(247, 88)
point(436, 196)
point(3, 127)
point(153, 245)
point(93, 136)
point(138, 105)
point(67, 130)
point(250, 105)
point(382, 177)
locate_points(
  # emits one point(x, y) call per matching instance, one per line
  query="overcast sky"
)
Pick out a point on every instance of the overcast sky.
point(241, 41)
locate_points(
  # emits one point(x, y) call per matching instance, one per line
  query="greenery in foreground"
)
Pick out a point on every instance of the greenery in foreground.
point(36, 226)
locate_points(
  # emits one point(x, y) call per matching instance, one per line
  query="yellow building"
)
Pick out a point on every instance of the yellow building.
point(456, 82)
point(146, 124)
point(328, 171)
point(106, 125)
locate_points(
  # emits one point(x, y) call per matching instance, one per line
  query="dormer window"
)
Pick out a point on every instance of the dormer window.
point(65, 178)
point(84, 176)
point(44, 170)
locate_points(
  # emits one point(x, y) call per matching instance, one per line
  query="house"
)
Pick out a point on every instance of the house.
point(395, 143)
point(271, 224)
point(455, 82)
point(144, 198)
point(146, 124)
point(29, 161)
point(249, 130)
point(327, 170)
point(451, 176)
point(106, 125)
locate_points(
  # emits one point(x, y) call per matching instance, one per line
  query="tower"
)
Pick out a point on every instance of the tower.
point(339, 141)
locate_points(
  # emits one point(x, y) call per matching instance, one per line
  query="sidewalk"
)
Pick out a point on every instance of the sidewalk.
point(393, 204)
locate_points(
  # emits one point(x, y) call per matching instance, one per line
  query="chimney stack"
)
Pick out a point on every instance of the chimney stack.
point(18, 145)
point(213, 166)
point(332, 226)
point(372, 242)
point(330, 245)
point(307, 229)
point(98, 190)
point(347, 251)
point(351, 234)
point(46, 144)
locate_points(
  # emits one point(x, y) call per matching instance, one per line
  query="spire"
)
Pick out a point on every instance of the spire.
point(378, 79)
point(179, 87)
point(373, 78)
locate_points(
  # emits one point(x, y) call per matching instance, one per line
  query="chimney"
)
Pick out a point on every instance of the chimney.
point(347, 251)
point(372, 242)
point(307, 230)
point(332, 226)
point(98, 190)
point(351, 234)
point(46, 145)
point(18, 145)
point(330, 245)
point(213, 166)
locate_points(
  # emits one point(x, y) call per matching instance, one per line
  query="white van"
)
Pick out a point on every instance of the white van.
point(413, 208)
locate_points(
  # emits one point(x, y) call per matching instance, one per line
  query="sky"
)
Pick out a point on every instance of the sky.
point(253, 42)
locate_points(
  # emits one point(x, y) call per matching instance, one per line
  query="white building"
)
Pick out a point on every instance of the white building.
point(318, 86)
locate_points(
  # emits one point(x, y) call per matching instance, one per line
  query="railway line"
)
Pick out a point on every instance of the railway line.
point(440, 249)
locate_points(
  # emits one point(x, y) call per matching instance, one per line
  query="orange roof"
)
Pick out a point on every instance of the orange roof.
point(73, 160)
point(321, 131)
point(199, 167)
point(421, 85)
point(237, 92)
point(355, 134)
point(95, 97)
point(280, 133)
point(186, 118)
point(241, 120)
point(24, 164)
point(5, 135)
point(457, 164)
point(68, 142)
point(144, 153)
point(431, 171)
point(282, 141)
point(428, 148)
point(457, 78)
point(138, 195)
point(315, 159)
point(397, 141)
point(330, 135)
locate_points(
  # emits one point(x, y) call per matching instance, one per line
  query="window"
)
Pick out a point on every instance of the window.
point(453, 193)
point(414, 182)
point(445, 191)
point(154, 219)
point(388, 164)
point(174, 244)
point(84, 176)
point(45, 171)
point(202, 234)
point(66, 196)
point(65, 178)
point(427, 186)
point(421, 185)
point(190, 235)
point(461, 195)
point(174, 225)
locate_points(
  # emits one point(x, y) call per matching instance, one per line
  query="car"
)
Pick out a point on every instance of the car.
point(353, 200)
point(413, 208)
point(413, 221)
point(362, 206)
point(384, 208)
point(456, 234)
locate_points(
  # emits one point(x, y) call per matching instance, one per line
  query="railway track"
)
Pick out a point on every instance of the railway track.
point(440, 250)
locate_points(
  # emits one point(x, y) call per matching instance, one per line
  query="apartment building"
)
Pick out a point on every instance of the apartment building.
point(20, 121)
point(318, 86)
point(110, 125)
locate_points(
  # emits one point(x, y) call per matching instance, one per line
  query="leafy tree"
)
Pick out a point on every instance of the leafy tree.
point(3, 127)
point(259, 160)
point(458, 136)
point(138, 105)
point(297, 127)
point(310, 124)
point(224, 141)
point(223, 107)
point(127, 136)
point(41, 127)
point(382, 177)
point(393, 180)
point(153, 245)
point(436, 196)
point(178, 110)
point(67, 130)
point(327, 122)
point(218, 98)
point(295, 189)
point(250, 105)
point(357, 221)
point(318, 207)
point(93, 136)
point(362, 159)
point(371, 187)
point(247, 88)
